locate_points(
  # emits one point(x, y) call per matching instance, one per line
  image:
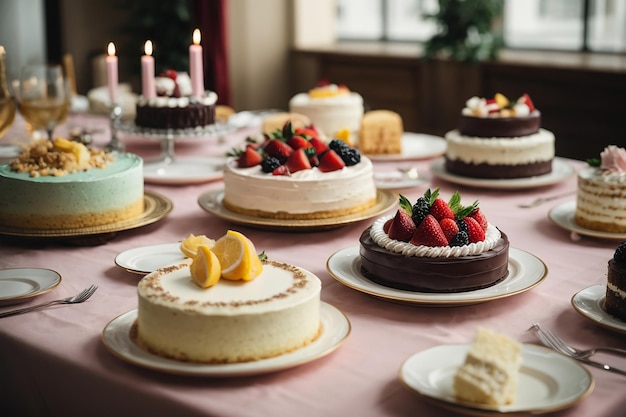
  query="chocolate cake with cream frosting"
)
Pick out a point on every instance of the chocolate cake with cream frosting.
point(499, 139)
point(615, 303)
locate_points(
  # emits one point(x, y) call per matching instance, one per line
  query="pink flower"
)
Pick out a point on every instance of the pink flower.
point(613, 159)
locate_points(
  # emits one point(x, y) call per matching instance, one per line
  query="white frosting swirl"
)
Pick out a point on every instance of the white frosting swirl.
point(378, 235)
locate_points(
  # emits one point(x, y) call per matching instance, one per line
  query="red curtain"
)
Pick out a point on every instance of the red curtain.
point(211, 19)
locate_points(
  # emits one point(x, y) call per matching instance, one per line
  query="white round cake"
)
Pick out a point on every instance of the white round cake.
point(331, 110)
point(93, 197)
point(306, 194)
point(233, 321)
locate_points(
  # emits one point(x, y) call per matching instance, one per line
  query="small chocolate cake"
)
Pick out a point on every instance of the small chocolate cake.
point(615, 303)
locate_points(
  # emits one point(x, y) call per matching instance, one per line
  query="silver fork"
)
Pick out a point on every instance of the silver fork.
point(542, 200)
point(78, 298)
point(550, 340)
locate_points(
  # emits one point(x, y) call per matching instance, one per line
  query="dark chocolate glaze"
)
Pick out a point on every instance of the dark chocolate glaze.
point(424, 274)
point(500, 127)
point(614, 304)
point(465, 169)
point(194, 115)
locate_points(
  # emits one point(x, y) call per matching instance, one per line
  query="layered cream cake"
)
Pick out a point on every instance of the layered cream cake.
point(47, 188)
point(381, 132)
point(615, 302)
point(330, 107)
point(434, 246)
point(601, 193)
point(490, 372)
point(497, 138)
point(298, 176)
point(174, 107)
point(232, 321)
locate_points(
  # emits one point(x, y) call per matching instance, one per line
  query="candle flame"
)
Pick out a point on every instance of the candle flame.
point(148, 47)
point(111, 49)
point(196, 37)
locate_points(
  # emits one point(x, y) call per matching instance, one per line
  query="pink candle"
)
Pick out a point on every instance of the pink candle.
point(111, 62)
point(196, 72)
point(148, 84)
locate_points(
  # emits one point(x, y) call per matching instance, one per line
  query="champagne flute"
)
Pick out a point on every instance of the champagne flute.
point(7, 104)
point(43, 99)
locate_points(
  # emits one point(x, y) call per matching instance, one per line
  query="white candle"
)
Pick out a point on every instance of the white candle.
point(111, 62)
point(148, 83)
point(196, 72)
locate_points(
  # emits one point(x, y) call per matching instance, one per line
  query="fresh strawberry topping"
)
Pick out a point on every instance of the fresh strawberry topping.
point(249, 158)
point(475, 233)
point(429, 233)
point(330, 161)
point(297, 142)
point(298, 161)
point(449, 227)
point(402, 226)
point(278, 149)
point(480, 218)
point(441, 210)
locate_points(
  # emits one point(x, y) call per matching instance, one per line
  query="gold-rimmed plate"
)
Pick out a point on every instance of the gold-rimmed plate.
point(18, 285)
point(212, 202)
point(525, 272)
point(590, 303)
point(119, 339)
point(156, 207)
point(548, 381)
point(562, 215)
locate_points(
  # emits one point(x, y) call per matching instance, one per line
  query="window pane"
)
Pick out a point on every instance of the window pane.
point(405, 19)
point(545, 24)
point(607, 25)
point(359, 19)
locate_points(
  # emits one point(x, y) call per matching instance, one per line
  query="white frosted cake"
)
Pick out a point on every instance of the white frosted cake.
point(107, 191)
point(296, 175)
point(490, 372)
point(601, 194)
point(497, 138)
point(232, 321)
point(330, 107)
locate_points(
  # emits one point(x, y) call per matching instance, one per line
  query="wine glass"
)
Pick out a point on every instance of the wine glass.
point(7, 113)
point(42, 97)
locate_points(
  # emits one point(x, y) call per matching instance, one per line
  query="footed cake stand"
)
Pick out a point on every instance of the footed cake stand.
point(170, 169)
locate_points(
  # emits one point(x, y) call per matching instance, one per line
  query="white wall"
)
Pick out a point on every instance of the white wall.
point(22, 33)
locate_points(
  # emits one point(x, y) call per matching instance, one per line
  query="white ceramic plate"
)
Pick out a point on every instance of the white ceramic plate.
point(415, 146)
point(590, 303)
point(525, 272)
point(146, 259)
point(396, 179)
point(117, 338)
point(563, 216)
point(561, 170)
point(18, 285)
point(548, 381)
point(184, 170)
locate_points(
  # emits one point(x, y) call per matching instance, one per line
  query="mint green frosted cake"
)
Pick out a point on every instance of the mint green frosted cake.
point(85, 198)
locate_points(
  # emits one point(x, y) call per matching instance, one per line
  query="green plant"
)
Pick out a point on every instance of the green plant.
point(465, 30)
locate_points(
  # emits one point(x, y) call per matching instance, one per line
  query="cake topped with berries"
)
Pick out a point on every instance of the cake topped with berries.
point(294, 174)
point(434, 245)
point(499, 138)
point(331, 107)
point(615, 303)
point(601, 193)
point(174, 107)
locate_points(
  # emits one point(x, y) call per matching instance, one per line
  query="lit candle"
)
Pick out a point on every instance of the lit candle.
point(148, 86)
point(196, 72)
point(111, 62)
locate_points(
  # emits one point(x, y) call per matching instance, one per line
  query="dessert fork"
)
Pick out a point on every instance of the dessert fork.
point(78, 298)
point(542, 200)
point(550, 340)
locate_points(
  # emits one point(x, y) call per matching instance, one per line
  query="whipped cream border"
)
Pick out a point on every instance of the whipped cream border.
point(378, 235)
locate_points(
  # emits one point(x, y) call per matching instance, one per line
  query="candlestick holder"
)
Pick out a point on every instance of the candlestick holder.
point(115, 115)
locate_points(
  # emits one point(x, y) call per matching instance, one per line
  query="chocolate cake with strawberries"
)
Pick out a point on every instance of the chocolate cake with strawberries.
point(434, 245)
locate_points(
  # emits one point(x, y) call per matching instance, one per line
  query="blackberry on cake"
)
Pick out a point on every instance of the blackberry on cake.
point(434, 245)
point(498, 138)
point(601, 192)
point(293, 173)
point(615, 302)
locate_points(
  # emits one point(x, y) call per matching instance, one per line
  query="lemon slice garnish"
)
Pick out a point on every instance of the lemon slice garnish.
point(189, 246)
point(205, 268)
point(237, 256)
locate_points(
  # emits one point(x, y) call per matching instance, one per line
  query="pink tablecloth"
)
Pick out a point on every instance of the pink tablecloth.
point(54, 362)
